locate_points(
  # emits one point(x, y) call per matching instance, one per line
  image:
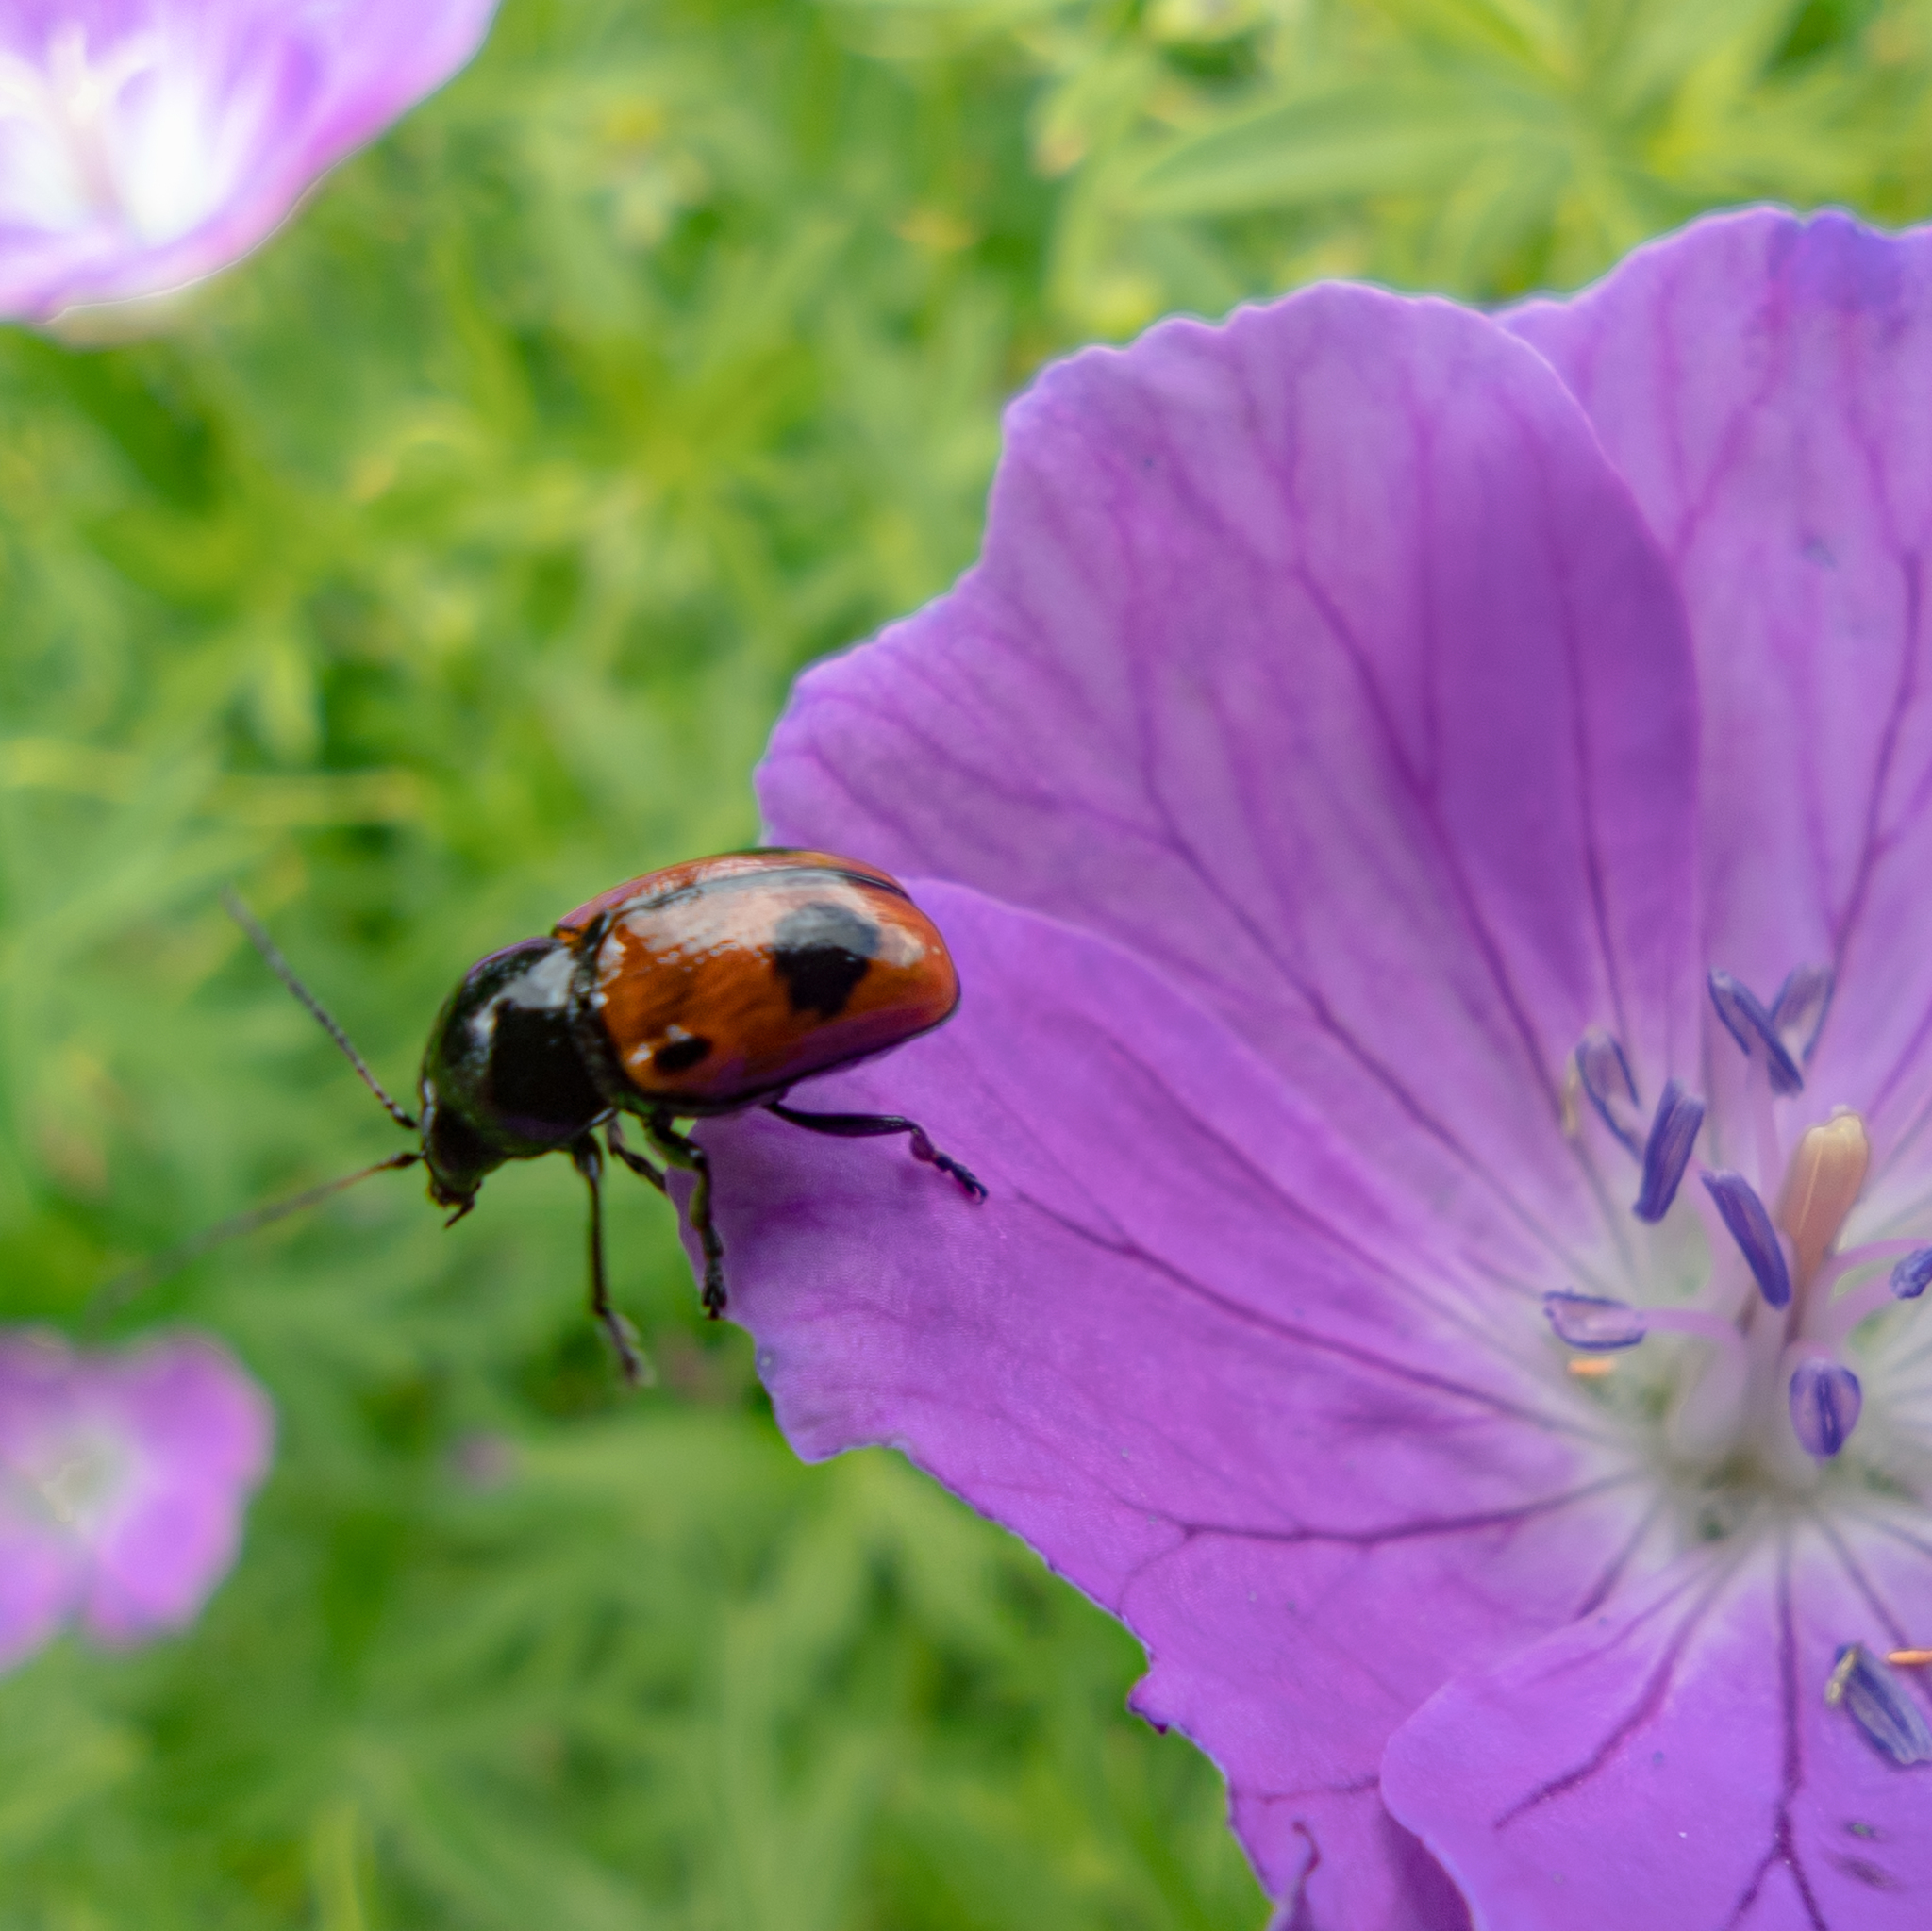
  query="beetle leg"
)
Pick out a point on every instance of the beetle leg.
point(630, 1157)
point(679, 1151)
point(586, 1159)
point(868, 1125)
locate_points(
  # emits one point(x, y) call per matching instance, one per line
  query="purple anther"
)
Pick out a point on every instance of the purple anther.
point(1754, 1031)
point(1751, 1228)
point(1744, 1017)
point(1872, 1697)
point(1802, 1004)
point(1825, 1399)
point(1590, 1321)
point(1674, 1131)
point(1912, 1276)
point(1606, 1079)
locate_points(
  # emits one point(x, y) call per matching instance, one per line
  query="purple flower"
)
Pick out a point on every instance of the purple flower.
point(122, 1478)
point(1435, 818)
point(145, 144)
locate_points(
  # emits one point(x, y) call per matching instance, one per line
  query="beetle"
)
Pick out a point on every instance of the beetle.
point(711, 988)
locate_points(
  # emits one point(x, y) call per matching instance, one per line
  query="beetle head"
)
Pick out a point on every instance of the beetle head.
point(503, 1079)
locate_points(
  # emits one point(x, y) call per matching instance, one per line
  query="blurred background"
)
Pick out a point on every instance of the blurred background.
point(448, 561)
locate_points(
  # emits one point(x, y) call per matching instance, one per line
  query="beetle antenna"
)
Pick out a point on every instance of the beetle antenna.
point(286, 972)
point(115, 1294)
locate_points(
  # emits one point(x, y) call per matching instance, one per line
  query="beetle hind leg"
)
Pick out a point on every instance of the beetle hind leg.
point(872, 1126)
point(677, 1151)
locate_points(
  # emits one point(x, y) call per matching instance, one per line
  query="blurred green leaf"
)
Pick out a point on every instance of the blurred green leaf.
point(1356, 140)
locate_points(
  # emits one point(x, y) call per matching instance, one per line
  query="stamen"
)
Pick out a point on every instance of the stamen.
point(1822, 1186)
point(1909, 1658)
point(1891, 1722)
point(1802, 1005)
point(1867, 1253)
point(1596, 1323)
point(1825, 1399)
point(1754, 1031)
point(1591, 1367)
point(1591, 1320)
point(1606, 1079)
point(1828, 1322)
point(1667, 1152)
point(1912, 1276)
point(1751, 1228)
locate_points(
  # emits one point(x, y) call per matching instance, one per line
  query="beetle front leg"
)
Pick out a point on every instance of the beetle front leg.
point(677, 1151)
point(633, 1159)
point(584, 1157)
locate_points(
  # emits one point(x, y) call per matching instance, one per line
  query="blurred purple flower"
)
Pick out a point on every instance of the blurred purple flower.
point(1435, 816)
point(122, 1478)
point(145, 144)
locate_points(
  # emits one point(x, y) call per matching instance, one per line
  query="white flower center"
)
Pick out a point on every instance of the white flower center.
point(139, 137)
point(1740, 1275)
point(73, 1479)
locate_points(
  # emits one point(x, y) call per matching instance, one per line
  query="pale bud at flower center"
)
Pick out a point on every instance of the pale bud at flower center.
point(76, 1477)
point(1821, 1185)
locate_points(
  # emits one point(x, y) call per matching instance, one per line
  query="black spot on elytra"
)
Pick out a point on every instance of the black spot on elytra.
point(680, 1056)
point(821, 952)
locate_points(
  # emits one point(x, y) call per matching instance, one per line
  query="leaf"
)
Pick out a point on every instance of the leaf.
point(1353, 141)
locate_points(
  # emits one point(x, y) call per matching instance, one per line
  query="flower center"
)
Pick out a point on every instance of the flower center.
point(73, 1479)
point(127, 139)
point(1745, 1268)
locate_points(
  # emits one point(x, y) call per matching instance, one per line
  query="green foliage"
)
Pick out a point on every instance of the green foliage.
point(1208, 150)
point(643, 1670)
point(449, 562)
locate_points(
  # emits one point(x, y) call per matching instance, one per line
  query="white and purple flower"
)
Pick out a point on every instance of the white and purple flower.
point(122, 1480)
point(145, 144)
point(1434, 813)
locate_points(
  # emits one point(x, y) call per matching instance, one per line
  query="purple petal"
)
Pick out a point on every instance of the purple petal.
point(40, 1578)
point(1199, 1353)
point(122, 1478)
point(199, 1432)
point(1319, 659)
point(145, 144)
point(1762, 384)
point(1673, 1759)
point(42, 1568)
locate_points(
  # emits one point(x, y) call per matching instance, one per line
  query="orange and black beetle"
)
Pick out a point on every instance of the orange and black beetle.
point(710, 988)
